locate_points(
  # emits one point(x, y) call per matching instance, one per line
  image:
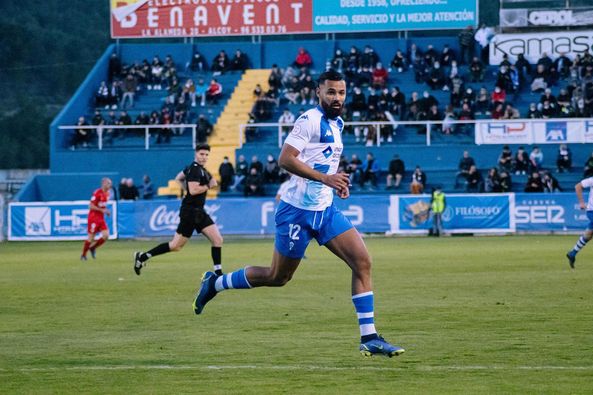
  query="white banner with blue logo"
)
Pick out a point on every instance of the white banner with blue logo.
point(537, 131)
point(464, 213)
point(54, 220)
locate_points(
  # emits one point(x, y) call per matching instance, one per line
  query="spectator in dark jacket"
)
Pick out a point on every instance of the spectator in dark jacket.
point(226, 172)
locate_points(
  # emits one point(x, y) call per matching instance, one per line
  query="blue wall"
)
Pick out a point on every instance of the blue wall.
point(63, 187)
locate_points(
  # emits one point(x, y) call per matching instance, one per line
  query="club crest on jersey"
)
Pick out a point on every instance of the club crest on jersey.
point(327, 152)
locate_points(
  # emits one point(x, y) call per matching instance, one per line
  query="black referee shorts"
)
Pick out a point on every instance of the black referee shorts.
point(193, 219)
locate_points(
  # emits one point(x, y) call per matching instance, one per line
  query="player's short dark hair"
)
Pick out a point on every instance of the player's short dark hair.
point(202, 146)
point(330, 75)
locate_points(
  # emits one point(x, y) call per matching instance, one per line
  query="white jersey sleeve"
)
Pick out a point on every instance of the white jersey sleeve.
point(300, 135)
point(588, 183)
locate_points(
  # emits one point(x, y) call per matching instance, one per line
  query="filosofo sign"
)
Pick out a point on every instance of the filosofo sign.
point(534, 45)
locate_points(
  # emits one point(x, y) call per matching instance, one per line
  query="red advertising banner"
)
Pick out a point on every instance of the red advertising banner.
point(194, 18)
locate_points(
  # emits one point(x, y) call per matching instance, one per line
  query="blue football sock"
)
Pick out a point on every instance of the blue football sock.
point(364, 306)
point(235, 280)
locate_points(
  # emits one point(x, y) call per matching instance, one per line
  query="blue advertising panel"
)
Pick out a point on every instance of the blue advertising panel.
point(54, 220)
point(239, 216)
point(484, 213)
point(545, 212)
point(380, 15)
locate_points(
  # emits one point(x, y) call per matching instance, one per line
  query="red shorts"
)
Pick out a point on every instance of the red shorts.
point(96, 225)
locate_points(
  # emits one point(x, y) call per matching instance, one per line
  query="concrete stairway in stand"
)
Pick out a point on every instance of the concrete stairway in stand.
point(225, 136)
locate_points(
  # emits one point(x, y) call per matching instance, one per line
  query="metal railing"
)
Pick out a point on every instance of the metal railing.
point(530, 126)
point(101, 129)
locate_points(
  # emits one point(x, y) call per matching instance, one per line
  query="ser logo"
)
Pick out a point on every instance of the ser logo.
point(539, 215)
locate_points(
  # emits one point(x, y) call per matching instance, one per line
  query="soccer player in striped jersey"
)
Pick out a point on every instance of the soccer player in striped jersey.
point(311, 153)
point(588, 234)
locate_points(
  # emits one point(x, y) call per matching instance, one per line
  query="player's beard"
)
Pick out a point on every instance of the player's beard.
point(330, 111)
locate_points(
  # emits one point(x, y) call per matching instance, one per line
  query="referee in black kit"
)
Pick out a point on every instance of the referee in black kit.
point(196, 181)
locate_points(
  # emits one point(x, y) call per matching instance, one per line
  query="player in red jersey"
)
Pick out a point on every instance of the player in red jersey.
point(96, 220)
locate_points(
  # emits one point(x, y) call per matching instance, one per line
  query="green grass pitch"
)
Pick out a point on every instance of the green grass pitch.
point(476, 315)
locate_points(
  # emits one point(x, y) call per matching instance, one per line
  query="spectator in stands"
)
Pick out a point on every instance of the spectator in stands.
point(434, 114)
point(436, 77)
point(271, 170)
point(198, 63)
point(189, 92)
point(127, 190)
point(114, 67)
point(165, 132)
point(200, 91)
point(156, 74)
point(369, 171)
point(548, 110)
point(421, 70)
point(536, 159)
point(307, 90)
point(226, 171)
point(465, 163)
point(483, 102)
point(447, 56)
point(275, 78)
point(582, 111)
point(293, 90)
point(102, 96)
point(203, 129)
point(534, 183)
point(339, 61)
point(399, 63)
point(492, 183)
point(173, 91)
point(380, 76)
point(396, 172)
point(414, 54)
point(303, 59)
point(550, 183)
point(511, 112)
point(564, 159)
point(539, 81)
point(475, 182)
point(498, 111)
point(130, 85)
point(548, 96)
point(142, 119)
point(588, 167)
point(466, 44)
point(287, 118)
point(82, 134)
point(397, 103)
point(240, 61)
point(466, 114)
point(533, 112)
point(523, 68)
point(124, 120)
point(147, 188)
point(253, 184)
point(220, 63)
point(98, 119)
point(505, 159)
point(505, 181)
point(364, 77)
point(418, 181)
point(456, 85)
point(562, 65)
point(214, 92)
point(369, 58)
point(352, 62)
point(476, 70)
point(241, 171)
point(430, 55)
point(256, 164)
point(498, 96)
point(114, 94)
point(521, 161)
point(354, 169)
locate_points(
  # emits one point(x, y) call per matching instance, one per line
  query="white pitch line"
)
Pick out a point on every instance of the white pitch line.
point(427, 368)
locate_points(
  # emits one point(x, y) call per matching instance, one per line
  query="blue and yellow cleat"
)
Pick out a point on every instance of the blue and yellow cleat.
point(380, 347)
point(571, 259)
point(206, 293)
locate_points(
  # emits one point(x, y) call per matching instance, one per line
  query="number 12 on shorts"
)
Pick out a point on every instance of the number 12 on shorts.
point(293, 231)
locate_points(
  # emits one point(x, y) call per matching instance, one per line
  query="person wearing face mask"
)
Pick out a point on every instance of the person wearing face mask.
point(436, 77)
point(226, 171)
point(271, 170)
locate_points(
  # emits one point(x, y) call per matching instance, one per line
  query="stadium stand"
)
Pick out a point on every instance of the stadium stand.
point(163, 161)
